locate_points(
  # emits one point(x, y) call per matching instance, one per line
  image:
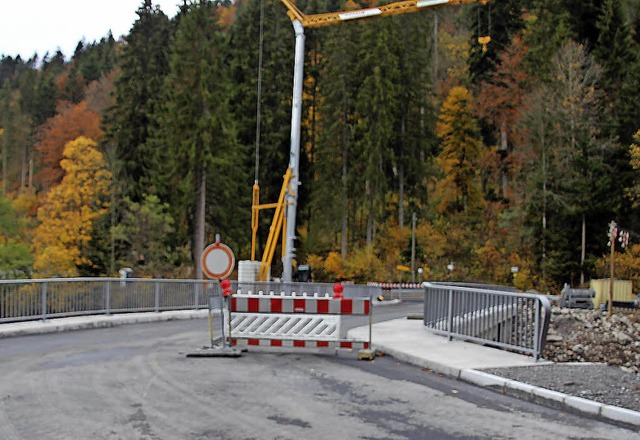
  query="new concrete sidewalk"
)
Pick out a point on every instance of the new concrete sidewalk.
point(94, 321)
point(409, 341)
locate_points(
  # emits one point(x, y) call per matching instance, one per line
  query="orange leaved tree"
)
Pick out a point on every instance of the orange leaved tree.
point(70, 210)
point(72, 121)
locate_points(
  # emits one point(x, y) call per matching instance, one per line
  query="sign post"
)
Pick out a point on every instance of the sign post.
point(218, 261)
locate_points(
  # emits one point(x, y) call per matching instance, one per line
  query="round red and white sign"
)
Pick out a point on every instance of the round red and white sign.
point(218, 261)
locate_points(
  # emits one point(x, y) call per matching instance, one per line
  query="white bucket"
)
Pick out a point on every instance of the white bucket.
point(248, 270)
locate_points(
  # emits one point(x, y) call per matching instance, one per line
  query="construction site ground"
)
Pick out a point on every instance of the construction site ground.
point(595, 356)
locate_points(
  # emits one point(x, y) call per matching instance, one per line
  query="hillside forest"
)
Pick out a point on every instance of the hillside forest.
point(422, 147)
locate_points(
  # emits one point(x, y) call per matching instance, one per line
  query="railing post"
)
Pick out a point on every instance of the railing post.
point(44, 301)
point(196, 294)
point(156, 292)
point(536, 332)
point(450, 316)
point(107, 298)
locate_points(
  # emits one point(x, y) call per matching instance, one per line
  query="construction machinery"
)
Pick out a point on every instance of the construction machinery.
point(284, 219)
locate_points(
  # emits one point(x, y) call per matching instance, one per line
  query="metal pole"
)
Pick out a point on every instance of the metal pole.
point(450, 316)
point(156, 297)
point(211, 298)
point(44, 301)
point(107, 301)
point(294, 159)
point(613, 253)
point(537, 352)
point(227, 301)
point(370, 322)
point(413, 248)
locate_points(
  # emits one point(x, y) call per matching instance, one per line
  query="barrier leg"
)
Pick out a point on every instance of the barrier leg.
point(367, 353)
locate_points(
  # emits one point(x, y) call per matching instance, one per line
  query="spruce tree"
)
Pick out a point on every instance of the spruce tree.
point(548, 28)
point(144, 65)
point(619, 55)
point(500, 21)
point(377, 104)
point(271, 149)
point(335, 161)
point(196, 132)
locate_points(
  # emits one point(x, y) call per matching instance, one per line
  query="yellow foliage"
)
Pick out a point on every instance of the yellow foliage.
point(333, 265)
point(626, 265)
point(523, 280)
point(70, 210)
point(363, 266)
point(634, 152)
point(56, 261)
point(26, 203)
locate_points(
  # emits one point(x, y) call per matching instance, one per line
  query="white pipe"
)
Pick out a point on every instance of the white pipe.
point(294, 154)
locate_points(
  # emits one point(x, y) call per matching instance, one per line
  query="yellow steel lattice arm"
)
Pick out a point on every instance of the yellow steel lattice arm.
point(396, 8)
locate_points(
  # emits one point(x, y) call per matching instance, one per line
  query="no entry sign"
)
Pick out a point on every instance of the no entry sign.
point(218, 261)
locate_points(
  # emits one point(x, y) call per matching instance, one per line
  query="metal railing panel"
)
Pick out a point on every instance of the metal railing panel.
point(33, 299)
point(504, 319)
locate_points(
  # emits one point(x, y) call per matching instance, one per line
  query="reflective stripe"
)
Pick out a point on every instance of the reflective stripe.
point(306, 305)
point(294, 343)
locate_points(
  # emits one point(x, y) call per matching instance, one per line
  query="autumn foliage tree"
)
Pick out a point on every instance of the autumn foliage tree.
point(68, 214)
point(459, 188)
point(71, 121)
point(634, 152)
point(15, 258)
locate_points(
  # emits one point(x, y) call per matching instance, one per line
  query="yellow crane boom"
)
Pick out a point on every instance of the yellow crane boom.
point(395, 8)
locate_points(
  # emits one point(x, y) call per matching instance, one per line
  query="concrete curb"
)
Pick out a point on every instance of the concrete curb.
point(26, 328)
point(553, 398)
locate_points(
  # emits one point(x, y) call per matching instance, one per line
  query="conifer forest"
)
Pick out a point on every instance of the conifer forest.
point(481, 142)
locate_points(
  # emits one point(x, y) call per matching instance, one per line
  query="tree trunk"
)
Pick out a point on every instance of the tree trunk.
point(199, 233)
point(584, 243)
point(345, 218)
point(369, 198)
point(344, 229)
point(401, 176)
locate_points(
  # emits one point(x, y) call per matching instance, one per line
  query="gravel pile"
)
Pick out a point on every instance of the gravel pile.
point(598, 382)
point(592, 336)
point(596, 357)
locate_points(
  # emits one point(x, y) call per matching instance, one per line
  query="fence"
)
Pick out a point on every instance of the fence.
point(514, 321)
point(24, 300)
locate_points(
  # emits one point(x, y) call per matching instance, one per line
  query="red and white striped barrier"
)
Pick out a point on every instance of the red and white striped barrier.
point(389, 286)
point(305, 304)
point(293, 321)
point(300, 343)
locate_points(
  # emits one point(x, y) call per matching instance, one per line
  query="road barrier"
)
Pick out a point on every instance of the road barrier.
point(513, 321)
point(294, 321)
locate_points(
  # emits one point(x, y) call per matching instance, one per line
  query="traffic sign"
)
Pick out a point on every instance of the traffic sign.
point(218, 261)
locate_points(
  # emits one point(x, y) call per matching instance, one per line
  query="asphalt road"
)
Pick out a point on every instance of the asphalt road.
point(136, 382)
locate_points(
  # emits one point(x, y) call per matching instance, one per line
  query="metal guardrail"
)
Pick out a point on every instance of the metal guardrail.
point(39, 299)
point(513, 321)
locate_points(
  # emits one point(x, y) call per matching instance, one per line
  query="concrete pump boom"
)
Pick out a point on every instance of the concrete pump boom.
point(289, 194)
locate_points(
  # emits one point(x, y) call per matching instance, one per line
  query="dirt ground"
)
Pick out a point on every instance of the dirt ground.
point(596, 357)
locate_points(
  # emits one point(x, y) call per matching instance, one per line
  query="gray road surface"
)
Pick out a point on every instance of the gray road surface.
point(135, 382)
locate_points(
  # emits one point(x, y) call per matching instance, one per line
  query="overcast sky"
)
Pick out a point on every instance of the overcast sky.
point(30, 26)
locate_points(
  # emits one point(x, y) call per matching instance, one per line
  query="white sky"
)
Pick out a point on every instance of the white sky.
point(30, 26)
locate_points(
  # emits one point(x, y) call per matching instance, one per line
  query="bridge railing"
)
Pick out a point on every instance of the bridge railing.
point(513, 321)
point(34, 299)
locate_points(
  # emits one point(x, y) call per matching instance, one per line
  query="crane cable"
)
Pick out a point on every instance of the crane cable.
point(258, 105)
